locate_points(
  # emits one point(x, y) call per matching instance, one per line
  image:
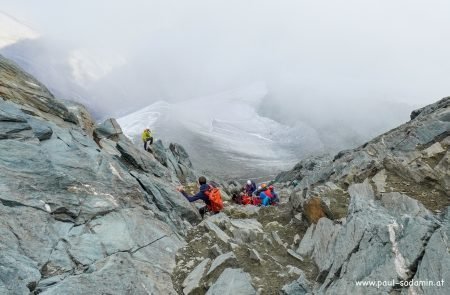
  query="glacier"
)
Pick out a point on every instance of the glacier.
point(226, 132)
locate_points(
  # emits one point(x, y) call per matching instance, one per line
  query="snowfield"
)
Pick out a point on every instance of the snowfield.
point(225, 131)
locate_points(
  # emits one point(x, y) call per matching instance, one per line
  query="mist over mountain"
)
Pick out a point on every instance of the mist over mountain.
point(320, 91)
point(345, 83)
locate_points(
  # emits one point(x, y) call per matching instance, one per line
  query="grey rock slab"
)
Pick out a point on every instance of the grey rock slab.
point(299, 287)
point(17, 273)
point(108, 129)
point(232, 281)
point(109, 146)
point(435, 264)
point(218, 232)
point(245, 230)
point(41, 129)
point(192, 281)
point(225, 259)
point(220, 219)
point(117, 274)
point(143, 161)
point(166, 198)
point(400, 204)
point(317, 242)
point(180, 154)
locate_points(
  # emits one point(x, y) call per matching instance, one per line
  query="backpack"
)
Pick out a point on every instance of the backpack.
point(246, 200)
point(215, 199)
point(256, 201)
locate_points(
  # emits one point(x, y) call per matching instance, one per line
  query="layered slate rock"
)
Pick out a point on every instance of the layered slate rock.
point(81, 211)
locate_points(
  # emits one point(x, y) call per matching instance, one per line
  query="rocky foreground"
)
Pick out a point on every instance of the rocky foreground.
point(83, 211)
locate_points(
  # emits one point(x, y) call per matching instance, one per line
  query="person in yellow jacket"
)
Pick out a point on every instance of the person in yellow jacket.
point(147, 138)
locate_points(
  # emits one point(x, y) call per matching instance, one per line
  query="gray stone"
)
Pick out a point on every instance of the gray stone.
point(299, 287)
point(218, 232)
point(246, 230)
point(142, 161)
point(227, 259)
point(40, 129)
point(192, 281)
point(317, 242)
point(435, 264)
point(109, 129)
point(232, 281)
point(136, 277)
point(399, 204)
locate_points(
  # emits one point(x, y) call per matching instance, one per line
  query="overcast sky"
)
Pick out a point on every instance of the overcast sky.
point(306, 51)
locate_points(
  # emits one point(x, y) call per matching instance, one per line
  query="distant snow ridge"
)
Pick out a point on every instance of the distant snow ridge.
point(12, 30)
point(224, 128)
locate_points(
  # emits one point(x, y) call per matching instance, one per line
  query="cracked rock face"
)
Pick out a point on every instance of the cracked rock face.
point(82, 210)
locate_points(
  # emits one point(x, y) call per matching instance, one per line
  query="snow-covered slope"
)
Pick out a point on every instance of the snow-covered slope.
point(12, 30)
point(225, 131)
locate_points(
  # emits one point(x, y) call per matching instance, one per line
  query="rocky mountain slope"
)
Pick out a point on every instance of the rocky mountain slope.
point(376, 213)
point(82, 211)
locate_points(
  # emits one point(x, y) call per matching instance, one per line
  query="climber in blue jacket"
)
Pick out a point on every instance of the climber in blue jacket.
point(201, 195)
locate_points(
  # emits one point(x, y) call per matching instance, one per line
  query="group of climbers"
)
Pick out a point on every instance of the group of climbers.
point(250, 195)
point(210, 194)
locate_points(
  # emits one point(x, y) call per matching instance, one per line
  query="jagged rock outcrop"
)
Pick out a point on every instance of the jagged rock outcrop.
point(82, 210)
point(378, 212)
